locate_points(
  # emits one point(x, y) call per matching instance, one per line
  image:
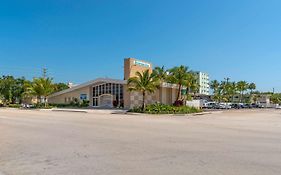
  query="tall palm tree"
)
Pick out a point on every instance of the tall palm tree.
point(217, 90)
point(232, 90)
point(252, 86)
point(194, 88)
point(215, 85)
point(179, 75)
point(160, 73)
point(143, 82)
point(39, 87)
point(242, 86)
point(192, 85)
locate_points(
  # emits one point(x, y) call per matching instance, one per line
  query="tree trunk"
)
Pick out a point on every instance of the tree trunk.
point(143, 101)
point(179, 92)
point(186, 96)
point(45, 102)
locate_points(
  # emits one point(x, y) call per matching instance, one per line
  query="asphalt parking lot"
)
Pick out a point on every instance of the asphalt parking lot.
point(244, 142)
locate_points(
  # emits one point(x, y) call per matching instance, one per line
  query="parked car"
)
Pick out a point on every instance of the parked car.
point(237, 106)
point(210, 105)
point(224, 106)
point(247, 106)
point(27, 106)
point(254, 105)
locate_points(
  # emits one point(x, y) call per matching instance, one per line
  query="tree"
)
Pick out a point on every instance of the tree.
point(215, 86)
point(41, 88)
point(6, 84)
point(252, 87)
point(275, 98)
point(143, 82)
point(11, 89)
point(160, 73)
point(232, 90)
point(60, 87)
point(242, 86)
point(192, 85)
point(179, 76)
point(228, 90)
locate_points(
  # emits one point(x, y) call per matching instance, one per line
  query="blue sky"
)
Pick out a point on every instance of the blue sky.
point(81, 40)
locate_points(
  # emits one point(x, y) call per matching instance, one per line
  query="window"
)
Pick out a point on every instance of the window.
point(83, 96)
point(95, 102)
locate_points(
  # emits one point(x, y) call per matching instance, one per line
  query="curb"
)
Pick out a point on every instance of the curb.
point(88, 111)
point(76, 111)
point(192, 114)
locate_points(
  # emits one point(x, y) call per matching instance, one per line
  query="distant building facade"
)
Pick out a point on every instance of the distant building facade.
point(204, 83)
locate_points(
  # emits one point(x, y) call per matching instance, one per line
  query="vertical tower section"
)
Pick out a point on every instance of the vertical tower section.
point(132, 65)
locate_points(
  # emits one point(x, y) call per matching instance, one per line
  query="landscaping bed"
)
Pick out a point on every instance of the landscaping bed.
point(165, 109)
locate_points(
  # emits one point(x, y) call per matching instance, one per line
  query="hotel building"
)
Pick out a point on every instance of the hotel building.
point(204, 83)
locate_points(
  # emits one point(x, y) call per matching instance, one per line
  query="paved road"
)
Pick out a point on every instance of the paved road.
point(59, 143)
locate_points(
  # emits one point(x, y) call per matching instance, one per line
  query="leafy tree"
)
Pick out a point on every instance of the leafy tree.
point(275, 98)
point(11, 89)
point(143, 82)
point(60, 86)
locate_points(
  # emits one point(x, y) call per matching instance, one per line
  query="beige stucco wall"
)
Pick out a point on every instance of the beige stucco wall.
point(130, 68)
point(164, 95)
point(60, 99)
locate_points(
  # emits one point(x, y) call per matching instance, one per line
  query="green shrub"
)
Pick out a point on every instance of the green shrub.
point(85, 103)
point(14, 105)
point(165, 109)
point(42, 106)
point(136, 109)
point(73, 104)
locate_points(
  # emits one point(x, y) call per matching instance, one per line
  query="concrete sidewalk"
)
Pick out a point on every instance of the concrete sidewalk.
point(97, 111)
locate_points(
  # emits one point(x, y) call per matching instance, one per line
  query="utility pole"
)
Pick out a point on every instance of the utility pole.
point(273, 90)
point(44, 73)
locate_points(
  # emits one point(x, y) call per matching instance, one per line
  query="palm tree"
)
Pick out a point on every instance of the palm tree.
point(194, 88)
point(241, 87)
point(39, 87)
point(179, 75)
point(232, 90)
point(228, 89)
point(143, 82)
point(160, 73)
point(218, 90)
point(215, 85)
point(192, 85)
point(252, 86)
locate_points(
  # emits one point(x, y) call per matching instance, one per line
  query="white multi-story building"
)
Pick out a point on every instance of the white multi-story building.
point(204, 82)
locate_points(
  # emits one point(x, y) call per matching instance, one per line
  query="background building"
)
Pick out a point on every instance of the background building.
point(204, 82)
